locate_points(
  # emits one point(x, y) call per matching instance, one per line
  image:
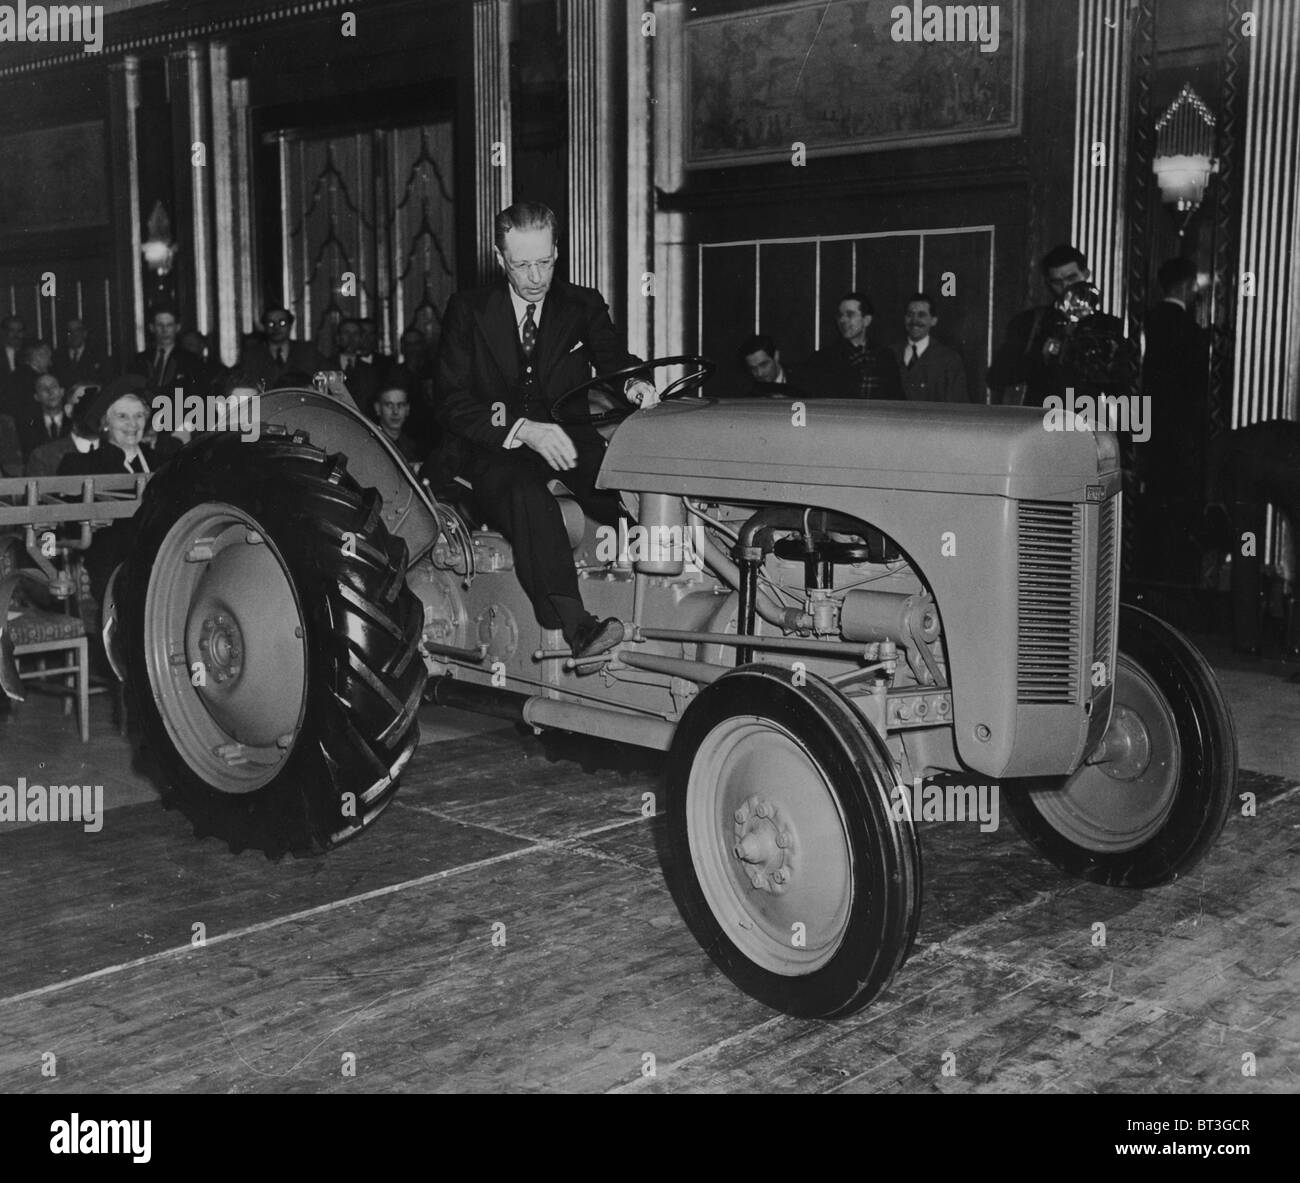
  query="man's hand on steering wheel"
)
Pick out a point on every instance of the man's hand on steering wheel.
point(550, 441)
point(641, 393)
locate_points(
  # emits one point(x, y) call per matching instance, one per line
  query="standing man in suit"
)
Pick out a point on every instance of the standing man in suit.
point(855, 366)
point(931, 372)
point(166, 365)
point(265, 361)
point(1172, 462)
point(508, 350)
point(76, 363)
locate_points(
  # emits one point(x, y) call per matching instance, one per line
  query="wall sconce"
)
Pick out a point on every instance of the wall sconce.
point(158, 249)
point(1185, 153)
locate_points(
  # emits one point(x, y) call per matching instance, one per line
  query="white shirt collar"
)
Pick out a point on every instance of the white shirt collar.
point(1174, 300)
point(919, 347)
point(82, 444)
point(520, 306)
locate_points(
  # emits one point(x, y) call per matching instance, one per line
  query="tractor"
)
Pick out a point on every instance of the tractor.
point(823, 601)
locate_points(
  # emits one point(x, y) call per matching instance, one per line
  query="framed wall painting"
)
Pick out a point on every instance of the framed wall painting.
point(849, 76)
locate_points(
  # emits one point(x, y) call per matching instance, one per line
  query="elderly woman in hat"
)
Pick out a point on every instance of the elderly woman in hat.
point(124, 418)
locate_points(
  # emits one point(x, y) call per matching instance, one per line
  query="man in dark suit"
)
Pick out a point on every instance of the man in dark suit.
point(266, 360)
point(75, 362)
point(83, 436)
point(769, 376)
point(1172, 461)
point(931, 372)
point(361, 376)
point(1048, 352)
point(48, 420)
point(854, 366)
point(165, 365)
point(507, 352)
point(37, 360)
point(13, 335)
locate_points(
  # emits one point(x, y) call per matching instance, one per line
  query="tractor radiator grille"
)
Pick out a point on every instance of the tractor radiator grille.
point(1050, 601)
point(1103, 642)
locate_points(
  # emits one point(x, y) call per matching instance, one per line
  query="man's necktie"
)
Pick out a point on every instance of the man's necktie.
point(281, 354)
point(52, 427)
point(529, 335)
point(911, 356)
point(159, 365)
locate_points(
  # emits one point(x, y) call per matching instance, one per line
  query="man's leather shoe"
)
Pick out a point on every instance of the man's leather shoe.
point(597, 636)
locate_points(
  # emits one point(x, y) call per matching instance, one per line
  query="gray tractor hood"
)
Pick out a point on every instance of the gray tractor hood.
point(741, 447)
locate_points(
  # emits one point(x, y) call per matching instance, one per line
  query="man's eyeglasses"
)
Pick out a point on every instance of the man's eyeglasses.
point(542, 266)
point(276, 322)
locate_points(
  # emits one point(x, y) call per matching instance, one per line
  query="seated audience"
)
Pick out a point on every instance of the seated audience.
point(83, 437)
point(47, 420)
point(392, 408)
point(768, 374)
point(268, 357)
point(931, 372)
point(76, 361)
point(855, 366)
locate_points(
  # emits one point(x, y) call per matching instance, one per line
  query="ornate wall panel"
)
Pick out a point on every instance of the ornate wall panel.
point(368, 229)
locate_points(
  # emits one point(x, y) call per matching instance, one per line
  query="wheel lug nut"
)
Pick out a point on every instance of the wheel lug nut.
point(741, 814)
point(783, 840)
point(763, 809)
point(780, 875)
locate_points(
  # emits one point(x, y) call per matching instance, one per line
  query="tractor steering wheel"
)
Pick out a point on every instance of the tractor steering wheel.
point(611, 385)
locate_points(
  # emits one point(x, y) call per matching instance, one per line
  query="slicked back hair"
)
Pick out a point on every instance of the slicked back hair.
point(526, 215)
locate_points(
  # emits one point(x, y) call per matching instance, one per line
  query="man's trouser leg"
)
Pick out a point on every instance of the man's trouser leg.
point(512, 490)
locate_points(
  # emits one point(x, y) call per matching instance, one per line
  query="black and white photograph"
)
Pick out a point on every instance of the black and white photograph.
point(636, 546)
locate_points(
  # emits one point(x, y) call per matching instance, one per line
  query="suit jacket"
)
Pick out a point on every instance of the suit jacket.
point(833, 374)
point(90, 367)
point(46, 458)
point(181, 370)
point(362, 382)
point(937, 376)
point(11, 452)
point(1049, 356)
point(32, 432)
point(478, 386)
point(108, 459)
point(259, 363)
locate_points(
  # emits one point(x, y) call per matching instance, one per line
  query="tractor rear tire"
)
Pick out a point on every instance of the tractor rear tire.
point(271, 643)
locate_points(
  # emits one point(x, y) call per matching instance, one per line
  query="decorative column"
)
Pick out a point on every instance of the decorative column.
point(640, 180)
point(126, 308)
point(493, 187)
point(1268, 320)
point(592, 216)
point(670, 245)
point(222, 161)
point(201, 229)
point(1101, 141)
point(241, 146)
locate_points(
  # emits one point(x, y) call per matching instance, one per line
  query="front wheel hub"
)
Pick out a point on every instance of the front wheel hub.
point(764, 844)
point(1125, 751)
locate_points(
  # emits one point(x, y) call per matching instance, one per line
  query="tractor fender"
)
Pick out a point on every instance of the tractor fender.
point(336, 426)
